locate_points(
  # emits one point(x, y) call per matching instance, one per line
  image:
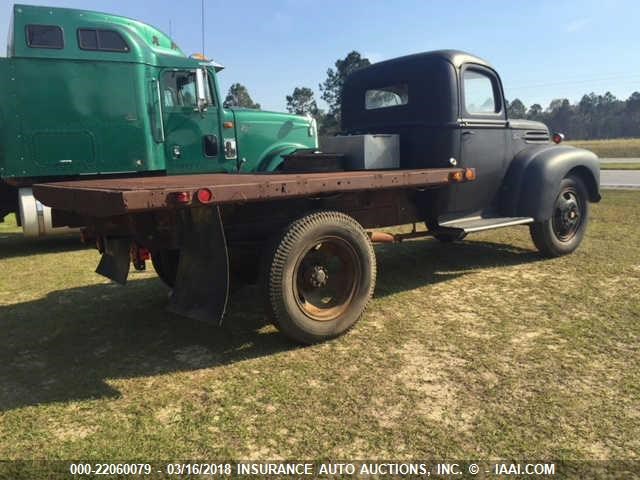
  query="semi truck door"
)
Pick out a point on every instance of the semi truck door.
point(192, 132)
point(483, 138)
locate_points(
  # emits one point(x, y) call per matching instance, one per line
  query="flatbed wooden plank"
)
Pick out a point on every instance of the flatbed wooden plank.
point(118, 196)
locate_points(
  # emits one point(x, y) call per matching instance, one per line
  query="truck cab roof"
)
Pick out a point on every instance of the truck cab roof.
point(65, 33)
point(456, 57)
point(426, 82)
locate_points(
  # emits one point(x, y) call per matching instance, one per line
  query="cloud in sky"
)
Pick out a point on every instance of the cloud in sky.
point(577, 24)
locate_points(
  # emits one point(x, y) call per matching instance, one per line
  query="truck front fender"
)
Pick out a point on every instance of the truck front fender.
point(272, 159)
point(533, 179)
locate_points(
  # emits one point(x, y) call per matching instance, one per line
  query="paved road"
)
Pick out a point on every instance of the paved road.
point(620, 160)
point(620, 178)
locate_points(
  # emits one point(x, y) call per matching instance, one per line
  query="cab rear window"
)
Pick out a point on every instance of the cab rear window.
point(103, 40)
point(385, 97)
point(45, 36)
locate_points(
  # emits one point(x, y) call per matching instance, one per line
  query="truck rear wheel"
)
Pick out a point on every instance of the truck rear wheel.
point(165, 263)
point(562, 233)
point(320, 276)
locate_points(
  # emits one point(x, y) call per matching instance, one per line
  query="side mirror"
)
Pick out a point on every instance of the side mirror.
point(201, 89)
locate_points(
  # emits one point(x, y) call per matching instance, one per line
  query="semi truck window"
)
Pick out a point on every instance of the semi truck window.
point(179, 89)
point(44, 36)
point(110, 40)
point(104, 40)
point(386, 97)
point(479, 94)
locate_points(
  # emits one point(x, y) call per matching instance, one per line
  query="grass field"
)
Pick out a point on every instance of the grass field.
point(476, 350)
point(620, 166)
point(614, 148)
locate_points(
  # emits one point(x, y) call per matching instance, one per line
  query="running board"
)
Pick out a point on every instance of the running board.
point(478, 224)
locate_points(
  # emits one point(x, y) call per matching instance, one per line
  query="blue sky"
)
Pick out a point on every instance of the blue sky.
point(543, 49)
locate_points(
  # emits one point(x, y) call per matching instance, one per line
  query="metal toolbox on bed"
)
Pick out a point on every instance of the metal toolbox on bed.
point(365, 152)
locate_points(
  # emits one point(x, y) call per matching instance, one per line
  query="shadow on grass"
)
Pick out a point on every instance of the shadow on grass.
point(65, 346)
point(14, 244)
point(415, 264)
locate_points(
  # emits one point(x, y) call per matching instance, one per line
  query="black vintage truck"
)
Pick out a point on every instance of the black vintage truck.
point(425, 139)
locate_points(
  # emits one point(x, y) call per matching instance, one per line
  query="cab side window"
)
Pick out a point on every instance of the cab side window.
point(179, 89)
point(103, 40)
point(479, 93)
point(45, 36)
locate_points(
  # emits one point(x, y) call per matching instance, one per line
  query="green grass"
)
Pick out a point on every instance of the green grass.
point(620, 166)
point(613, 148)
point(475, 350)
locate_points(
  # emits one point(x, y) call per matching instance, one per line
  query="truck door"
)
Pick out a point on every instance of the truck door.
point(192, 134)
point(483, 138)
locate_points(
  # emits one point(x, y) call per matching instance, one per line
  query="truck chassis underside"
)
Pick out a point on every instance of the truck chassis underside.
point(224, 225)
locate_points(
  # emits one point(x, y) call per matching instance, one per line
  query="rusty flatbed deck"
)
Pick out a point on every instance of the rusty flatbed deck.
point(119, 196)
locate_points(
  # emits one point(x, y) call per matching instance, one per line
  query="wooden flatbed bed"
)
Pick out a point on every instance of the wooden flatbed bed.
point(119, 196)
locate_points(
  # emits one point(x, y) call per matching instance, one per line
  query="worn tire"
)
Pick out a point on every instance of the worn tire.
point(562, 233)
point(320, 275)
point(165, 263)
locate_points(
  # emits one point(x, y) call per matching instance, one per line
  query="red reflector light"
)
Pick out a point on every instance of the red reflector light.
point(205, 195)
point(143, 253)
point(182, 197)
point(557, 137)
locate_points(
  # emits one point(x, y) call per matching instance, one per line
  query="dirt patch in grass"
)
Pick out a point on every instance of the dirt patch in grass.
point(69, 433)
point(426, 372)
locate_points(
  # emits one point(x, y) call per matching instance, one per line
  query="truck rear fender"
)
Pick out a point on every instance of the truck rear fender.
point(533, 178)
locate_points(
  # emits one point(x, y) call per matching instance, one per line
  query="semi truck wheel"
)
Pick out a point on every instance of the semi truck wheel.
point(320, 275)
point(562, 233)
point(165, 263)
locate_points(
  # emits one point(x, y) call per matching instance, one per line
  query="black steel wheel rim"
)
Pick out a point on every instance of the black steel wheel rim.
point(568, 214)
point(326, 278)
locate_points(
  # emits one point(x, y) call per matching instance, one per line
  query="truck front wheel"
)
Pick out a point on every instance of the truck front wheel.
point(562, 233)
point(320, 276)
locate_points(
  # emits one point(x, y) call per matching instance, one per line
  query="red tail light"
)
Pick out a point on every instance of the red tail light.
point(205, 195)
point(181, 197)
point(557, 137)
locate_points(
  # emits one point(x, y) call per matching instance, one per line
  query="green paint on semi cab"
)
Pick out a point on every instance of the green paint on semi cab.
point(88, 93)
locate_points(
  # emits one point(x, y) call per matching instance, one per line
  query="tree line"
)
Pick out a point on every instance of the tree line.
point(593, 117)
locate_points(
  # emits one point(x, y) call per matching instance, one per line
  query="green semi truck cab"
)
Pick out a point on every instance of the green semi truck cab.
point(88, 94)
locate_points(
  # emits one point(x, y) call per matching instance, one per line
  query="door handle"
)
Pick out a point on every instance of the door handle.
point(469, 132)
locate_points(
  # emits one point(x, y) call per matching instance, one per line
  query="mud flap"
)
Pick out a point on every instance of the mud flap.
point(202, 282)
point(115, 260)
